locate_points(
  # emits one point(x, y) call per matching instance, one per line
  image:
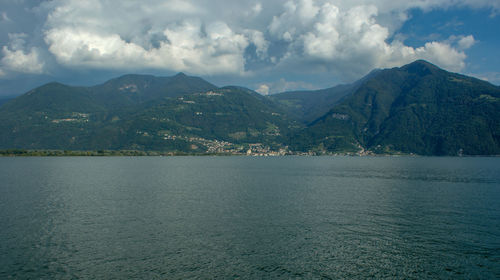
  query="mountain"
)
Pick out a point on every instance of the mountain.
point(180, 113)
point(418, 108)
point(230, 114)
point(307, 106)
point(123, 92)
point(131, 90)
point(4, 99)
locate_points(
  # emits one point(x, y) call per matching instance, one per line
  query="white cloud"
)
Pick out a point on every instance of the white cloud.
point(180, 6)
point(255, 10)
point(17, 40)
point(18, 58)
point(344, 37)
point(461, 42)
point(23, 62)
point(466, 42)
point(188, 46)
point(263, 89)
point(350, 42)
point(443, 55)
point(283, 85)
point(169, 37)
point(387, 6)
point(297, 14)
point(261, 44)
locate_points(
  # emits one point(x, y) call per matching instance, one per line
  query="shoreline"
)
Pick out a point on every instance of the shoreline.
point(135, 153)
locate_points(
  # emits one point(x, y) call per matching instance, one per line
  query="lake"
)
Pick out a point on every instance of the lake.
point(249, 217)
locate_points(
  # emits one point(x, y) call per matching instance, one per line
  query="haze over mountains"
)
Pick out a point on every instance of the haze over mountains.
point(417, 108)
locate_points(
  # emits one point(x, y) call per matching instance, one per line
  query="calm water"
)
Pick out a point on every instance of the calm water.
point(244, 217)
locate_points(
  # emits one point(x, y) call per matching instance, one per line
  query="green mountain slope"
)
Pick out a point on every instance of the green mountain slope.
point(5, 99)
point(53, 97)
point(131, 90)
point(307, 106)
point(141, 112)
point(417, 108)
point(230, 114)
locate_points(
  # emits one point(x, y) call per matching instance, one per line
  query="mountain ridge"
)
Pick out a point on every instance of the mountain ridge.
point(141, 112)
point(416, 108)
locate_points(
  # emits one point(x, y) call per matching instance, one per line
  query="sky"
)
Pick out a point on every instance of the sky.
point(269, 46)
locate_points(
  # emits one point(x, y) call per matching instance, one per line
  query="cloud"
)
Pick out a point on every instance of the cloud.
point(188, 46)
point(20, 61)
point(443, 55)
point(263, 89)
point(343, 37)
point(254, 11)
point(351, 42)
point(466, 42)
point(169, 37)
point(492, 77)
point(461, 42)
point(283, 85)
point(259, 41)
point(389, 6)
point(257, 8)
point(17, 58)
point(4, 17)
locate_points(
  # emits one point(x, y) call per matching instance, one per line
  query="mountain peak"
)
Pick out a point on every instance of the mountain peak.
point(423, 63)
point(421, 67)
point(180, 75)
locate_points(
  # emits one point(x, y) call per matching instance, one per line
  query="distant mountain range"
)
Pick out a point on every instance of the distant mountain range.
point(417, 108)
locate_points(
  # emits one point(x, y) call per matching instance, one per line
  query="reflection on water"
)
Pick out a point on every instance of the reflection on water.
point(231, 217)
